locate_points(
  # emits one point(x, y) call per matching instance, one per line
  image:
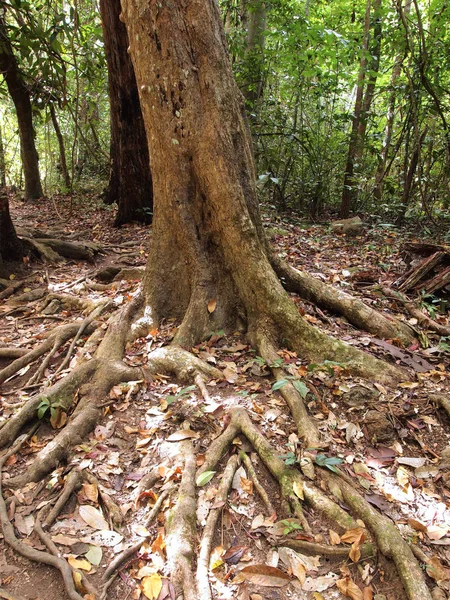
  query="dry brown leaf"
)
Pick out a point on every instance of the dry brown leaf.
point(368, 593)
point(79, 563)
point(417, 525)
point(90, 491)
point(335, 538)
point(93, 517)
point(358, 534)
point(265, 576)
point(247, 485)
point(151, 586)
point(182, 434)
point(355, 552)
point(436, 570)
point(212, 305)
point(349, 588)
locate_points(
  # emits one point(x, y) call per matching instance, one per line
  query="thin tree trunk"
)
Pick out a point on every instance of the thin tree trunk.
point(2, 162)
point(363, 102)
point(409, 180)
point(10, 245)
point(62, 150)
point(21, 98)
point(388, 130)
point(254, 60)
point(130, 181)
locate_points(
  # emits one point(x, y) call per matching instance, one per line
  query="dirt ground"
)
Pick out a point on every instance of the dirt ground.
point(393, 443)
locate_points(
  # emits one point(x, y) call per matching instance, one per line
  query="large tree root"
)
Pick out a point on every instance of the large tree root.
point(423, 319)
point(388, 538)
point(354, 310)
point(55, 340)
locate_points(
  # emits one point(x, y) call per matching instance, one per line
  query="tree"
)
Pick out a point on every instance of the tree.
point(365, 89)
point(21, 97)
point(130, 181)
point(210, 268)
point(10, 245)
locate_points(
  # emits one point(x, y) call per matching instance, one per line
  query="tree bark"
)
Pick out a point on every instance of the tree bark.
point(208, 265)
point(62, 149)
point(130, 181)
point(254, 51)
point(2, 161)
point(10, 245)
point(363, 102)
point(20, 95)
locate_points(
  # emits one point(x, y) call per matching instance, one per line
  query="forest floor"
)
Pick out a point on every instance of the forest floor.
point(392, 442)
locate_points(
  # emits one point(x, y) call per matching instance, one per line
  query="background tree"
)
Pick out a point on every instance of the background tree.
point(21, 97)
point(130, 181)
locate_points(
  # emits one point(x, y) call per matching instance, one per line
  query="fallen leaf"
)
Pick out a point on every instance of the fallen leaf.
point(212, 305)
point(265, 576)
point(349, 588)
point(320, 584)
point(93, 517)
point(205, 477)
point(298, 489)
point(151, 586)
point(182, 434)
point(335, 538)
point(79, 563)
point(94, 555)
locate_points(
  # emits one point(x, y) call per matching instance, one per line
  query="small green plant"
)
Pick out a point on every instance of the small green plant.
point(47, 406)
point(290, 526)
point(289, 458)
point(444, 344)
point(329, 462)
point(183, 392)
point(299, 385)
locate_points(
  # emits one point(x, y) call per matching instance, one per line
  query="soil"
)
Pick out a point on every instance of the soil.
point(369, 427)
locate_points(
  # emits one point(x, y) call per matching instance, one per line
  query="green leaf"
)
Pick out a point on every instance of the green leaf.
point(205, 477)
point(301, 388)
point(279, 384)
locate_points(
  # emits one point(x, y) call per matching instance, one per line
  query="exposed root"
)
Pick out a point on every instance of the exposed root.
point(288, 478)
point(58, 337)
point(259, 488)
point(181, 528)
point(423, 319)
point(204, 590)
point(83, 327)
point(13, 352)
point(172, 360)
point(23, 549)
point(389, 540)
point(339, 302)
point(72, 483)
point(338, 552)
point(62, 393)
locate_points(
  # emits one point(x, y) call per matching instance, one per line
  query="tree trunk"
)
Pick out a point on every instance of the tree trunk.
point(363, 103)
point(208, 265)
point(2, 162)
point(388, 130)
point(21, 98)
point(130, 181)
point(62, 150)
point(254, 59)
point(10, 245)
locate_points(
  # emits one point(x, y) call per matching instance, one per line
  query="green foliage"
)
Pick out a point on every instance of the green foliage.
point(46, 406)
point(329, 462)
point(183, 392)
